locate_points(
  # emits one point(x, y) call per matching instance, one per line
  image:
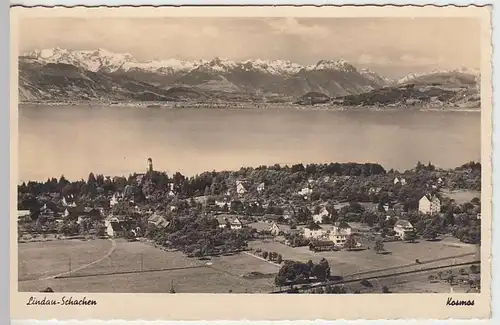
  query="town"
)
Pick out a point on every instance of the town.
point(317, 228)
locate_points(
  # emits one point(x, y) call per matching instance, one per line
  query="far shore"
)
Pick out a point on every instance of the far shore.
point(248, 105)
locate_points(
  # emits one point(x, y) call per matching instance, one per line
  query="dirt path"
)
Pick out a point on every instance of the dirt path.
point(263, 259)
point(111, 250)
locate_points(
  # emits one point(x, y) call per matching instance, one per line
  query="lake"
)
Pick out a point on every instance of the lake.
point(74, 140)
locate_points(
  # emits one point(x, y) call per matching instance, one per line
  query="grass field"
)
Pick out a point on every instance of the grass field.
point(348, 262)
point(40, 259)
point(220, 274)
point(461, 196)
point(415, 283)
point(224, 274)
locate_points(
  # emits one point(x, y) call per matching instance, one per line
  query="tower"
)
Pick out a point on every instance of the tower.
point(150, 165)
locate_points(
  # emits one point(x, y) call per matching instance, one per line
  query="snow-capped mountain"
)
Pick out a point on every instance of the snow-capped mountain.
point(339, 65)
point(272, 66)
point(252, 76)
point(375, 77)
point(90, 60)
point(101, 59)
point(463, 70)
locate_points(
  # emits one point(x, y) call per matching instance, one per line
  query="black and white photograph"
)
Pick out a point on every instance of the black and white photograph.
point(251, 155)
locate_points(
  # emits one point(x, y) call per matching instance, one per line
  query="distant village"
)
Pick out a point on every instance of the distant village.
point(323, 206)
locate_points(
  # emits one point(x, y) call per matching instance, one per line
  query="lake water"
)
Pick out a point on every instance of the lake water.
point(117, 141)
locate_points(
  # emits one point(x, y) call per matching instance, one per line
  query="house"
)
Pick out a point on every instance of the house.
point(115, 226)
point(305, 192)
point(403, 181)
point(402, 228)
point(429, 204)
point(314, 232)
point(261, 187)
point(374, 190)
point(68, 201)
point(233, 221)
point(319, 217)
point(340, 232)
point(139, 178)
point(23, 216)
point(158, 221)
point(241, 187)
point(274, 229)
point(288, 214)
point(222, 204)
point(115, 199)
point(47, 212)
point(322, 245)
point(396, 181)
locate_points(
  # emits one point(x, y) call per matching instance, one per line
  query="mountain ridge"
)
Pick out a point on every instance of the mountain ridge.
point(66, 75)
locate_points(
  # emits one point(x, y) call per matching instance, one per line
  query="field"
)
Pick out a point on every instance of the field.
point(121, 270)
point(349, 262)
point(461, 196)
point(414, 283)
point(122, 266)
point(40, 259)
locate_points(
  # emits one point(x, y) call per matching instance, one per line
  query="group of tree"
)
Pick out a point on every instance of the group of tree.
point(271, 256)
point(293, 272)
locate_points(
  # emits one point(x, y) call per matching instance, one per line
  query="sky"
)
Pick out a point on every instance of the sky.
point(390, 46)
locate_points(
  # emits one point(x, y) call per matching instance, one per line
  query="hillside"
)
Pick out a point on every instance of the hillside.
point(420, 96)
point(313, 98)
point(250, 78)
point(66, 82)
point(438, 89)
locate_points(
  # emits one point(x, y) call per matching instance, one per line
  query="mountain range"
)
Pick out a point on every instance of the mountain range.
point(65, 75)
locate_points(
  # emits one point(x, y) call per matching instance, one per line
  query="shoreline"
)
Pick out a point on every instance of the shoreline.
point(247, 106)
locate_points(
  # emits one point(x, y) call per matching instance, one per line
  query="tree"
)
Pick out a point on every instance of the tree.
point(279, 259)
point(91, 179)
point(265, 254)
point(410, 236)
point(430, 233)
point(350, 242)
point(379, 246)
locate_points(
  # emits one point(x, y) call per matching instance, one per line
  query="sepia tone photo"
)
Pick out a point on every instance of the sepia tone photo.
point(316, 155)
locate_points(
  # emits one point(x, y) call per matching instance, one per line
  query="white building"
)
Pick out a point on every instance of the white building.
point(402, 227)
point(396, 180)
point(222, 204)
point(315, 233)
point(305, 192)
point(69, 201)
point(403, 181)
point(261, 187)
point(429, 204)
point(114, 200)
point(275, 229)
point(340, 232)
point(233, 221)
point(240, 187)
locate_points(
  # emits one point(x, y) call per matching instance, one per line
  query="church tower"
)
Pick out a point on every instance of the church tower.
point(150, 165)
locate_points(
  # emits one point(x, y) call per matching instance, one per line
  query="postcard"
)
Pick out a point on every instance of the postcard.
point(251, 163)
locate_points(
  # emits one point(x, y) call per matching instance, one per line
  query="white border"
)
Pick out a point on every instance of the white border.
point(496, 99)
